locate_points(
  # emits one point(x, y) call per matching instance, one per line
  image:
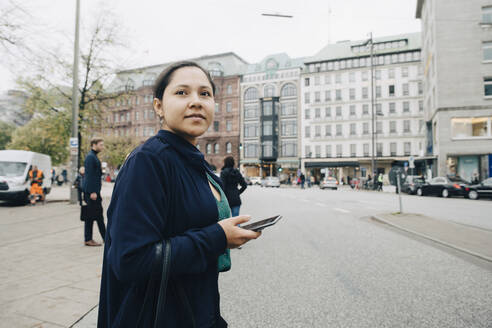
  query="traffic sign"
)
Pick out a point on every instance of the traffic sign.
point(411, 160)
point(74, 143)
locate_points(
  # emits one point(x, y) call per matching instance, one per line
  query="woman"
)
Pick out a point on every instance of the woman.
point(166, 191)
point(231, 178)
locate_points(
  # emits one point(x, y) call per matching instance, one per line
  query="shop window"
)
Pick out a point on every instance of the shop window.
point(470, 127)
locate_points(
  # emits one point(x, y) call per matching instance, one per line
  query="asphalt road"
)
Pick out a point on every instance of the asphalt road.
point(326, 264)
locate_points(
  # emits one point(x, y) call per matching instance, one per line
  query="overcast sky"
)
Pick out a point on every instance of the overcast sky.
point(161, 31)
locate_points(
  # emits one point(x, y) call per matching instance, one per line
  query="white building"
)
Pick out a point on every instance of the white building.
point(270, 116)
point(457, 58)
point(336, 120)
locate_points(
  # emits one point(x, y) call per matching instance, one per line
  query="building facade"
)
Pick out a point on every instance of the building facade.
point(457, 59)
point(270, 131)
point(338, 120)
point(132, 114)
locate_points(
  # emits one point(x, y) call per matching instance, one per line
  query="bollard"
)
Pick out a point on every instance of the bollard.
point(399, 192)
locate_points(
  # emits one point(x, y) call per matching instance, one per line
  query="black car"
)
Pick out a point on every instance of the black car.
point(483, 189)
point(445, 187)
point(412, 183)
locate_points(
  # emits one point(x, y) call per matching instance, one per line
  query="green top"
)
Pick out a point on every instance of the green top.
point(224, 261)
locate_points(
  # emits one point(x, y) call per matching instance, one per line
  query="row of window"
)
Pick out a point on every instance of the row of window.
point(287, 129)
point(287, 149)
point(353, 77)
point(216, 148)
point(270, 76)
point(364, 61)
point(144, 131)
point(228, 107)
point(127, 117)
point(341, 94)
point(392, 149)
point(269, 90)
point(252, 111)
point(215, 127)
point(394, 127)
point(380, 108)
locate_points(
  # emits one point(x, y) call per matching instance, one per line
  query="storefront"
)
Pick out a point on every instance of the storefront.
point(471, 168)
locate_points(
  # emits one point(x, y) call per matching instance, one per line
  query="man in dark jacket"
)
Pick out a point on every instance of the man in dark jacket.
point(231, 178)
point(92, 192)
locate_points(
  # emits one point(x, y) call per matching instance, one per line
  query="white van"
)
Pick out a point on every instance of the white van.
point(14, 173)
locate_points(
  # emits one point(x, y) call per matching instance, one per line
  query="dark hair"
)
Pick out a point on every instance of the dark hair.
point(229, 162)
point(95, 141)
point(165, 77)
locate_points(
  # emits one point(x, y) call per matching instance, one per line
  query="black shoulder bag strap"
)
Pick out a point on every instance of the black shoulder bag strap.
point(161, 300)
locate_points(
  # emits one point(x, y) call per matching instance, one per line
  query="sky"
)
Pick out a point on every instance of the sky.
point(155, 32)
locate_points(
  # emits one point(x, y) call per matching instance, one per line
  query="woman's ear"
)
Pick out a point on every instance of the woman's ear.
point(158, 108)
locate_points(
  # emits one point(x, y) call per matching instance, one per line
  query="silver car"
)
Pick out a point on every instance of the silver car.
point(329, 182)
point(270, 182)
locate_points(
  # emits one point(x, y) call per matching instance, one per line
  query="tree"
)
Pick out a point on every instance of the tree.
point(6, 131)
point(116, 149)
point(47, 134)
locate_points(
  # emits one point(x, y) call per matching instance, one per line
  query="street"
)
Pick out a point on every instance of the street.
point(325, 264)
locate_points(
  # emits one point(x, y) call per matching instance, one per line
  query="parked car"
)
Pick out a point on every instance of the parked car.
point(14, 170)
point(255, 180)
point(483, 189)
point(329, 182)
point(412, 183)
point(270, 182)
point(445, 187)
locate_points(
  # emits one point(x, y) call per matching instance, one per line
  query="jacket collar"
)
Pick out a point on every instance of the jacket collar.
point(183, 147)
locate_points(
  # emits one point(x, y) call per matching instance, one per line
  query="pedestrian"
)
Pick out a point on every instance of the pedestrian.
point(53, 175)
point(92, 192)
point(64, 175)
point(163, 218)
point(380, 182)
point(231, 178)
point(36, 191)
point(303, 180)
point(78, 184)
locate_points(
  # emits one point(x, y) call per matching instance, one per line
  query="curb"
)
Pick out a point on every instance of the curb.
point(438, 241)
point(57, 201)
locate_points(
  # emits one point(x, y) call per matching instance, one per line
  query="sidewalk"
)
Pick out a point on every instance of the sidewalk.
point(468, 239)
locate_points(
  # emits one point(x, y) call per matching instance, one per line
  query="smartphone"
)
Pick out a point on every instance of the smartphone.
point(260, 225)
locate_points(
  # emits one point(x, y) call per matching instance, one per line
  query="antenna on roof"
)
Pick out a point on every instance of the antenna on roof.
point(277, 15)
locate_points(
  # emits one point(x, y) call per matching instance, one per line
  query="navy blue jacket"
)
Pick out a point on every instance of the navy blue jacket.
point(162, 192)
point(93, 173)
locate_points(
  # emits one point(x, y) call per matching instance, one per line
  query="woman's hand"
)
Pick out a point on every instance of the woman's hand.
point(235, 235)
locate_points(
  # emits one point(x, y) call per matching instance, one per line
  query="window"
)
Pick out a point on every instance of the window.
point(317, 131)
point(487, 86)
point(216, 126)
point(288, 90)
point(229, 89)
point(364, 75)
point(365, 93)
point(421, 106)
point(327, 95)
point(378, 91)
point(365, 128)
point(251, 111)
point(392, 108)
point(288, 128)
point(366, 149)
point(406, 126)
point(328, 150)
point(307, 114)
point(209, 148)
point(306, 82)
point(338, 78)
point(251, 94)
point(352, 129)
point(267, 128)
point(328, 130)
point(487, 15)
point(216, 148)
point(379, 127)
point(407, 146)
point(316, 80)
point(228, 147)
point(217, 108)
point(338, 94)
point(391, 73)
point(339, 129)
point(339, 151)
point(379, 149)
point(352, 93)
point(405, 89)
point(392, 127)
point(378, 74)
point(351, 77)
point(338, 112)
point(289, 148)
point(287, 109)
point(421, 126)
point(307, 151)
point(328, 112)
point(228, 125)
point(137, 115)
point(307, 131)
point(317, 96)
point(471, 127)
point(406, 106)
point(420, 87)
point(353, 150)
point(269, 90)
point(352, 110)
point(251, 130)
point(404, 71)
point(391, 90)
point(317, 113)
point(250, 150)
point(327, 79)
point(393, 149)
point(365, 109)
point(228, 107)
point(379, 110)
point(307, 99)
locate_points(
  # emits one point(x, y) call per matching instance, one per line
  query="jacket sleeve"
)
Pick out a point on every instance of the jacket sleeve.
point(90, 165)
point(136, 220)
point(243, 183)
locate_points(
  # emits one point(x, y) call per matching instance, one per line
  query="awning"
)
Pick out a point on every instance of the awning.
point(331, 164)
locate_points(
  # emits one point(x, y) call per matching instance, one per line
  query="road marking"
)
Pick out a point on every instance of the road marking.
point(341, 210)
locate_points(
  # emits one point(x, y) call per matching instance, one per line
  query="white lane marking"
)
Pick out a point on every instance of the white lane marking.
point(341, 210)
point(321, 204)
